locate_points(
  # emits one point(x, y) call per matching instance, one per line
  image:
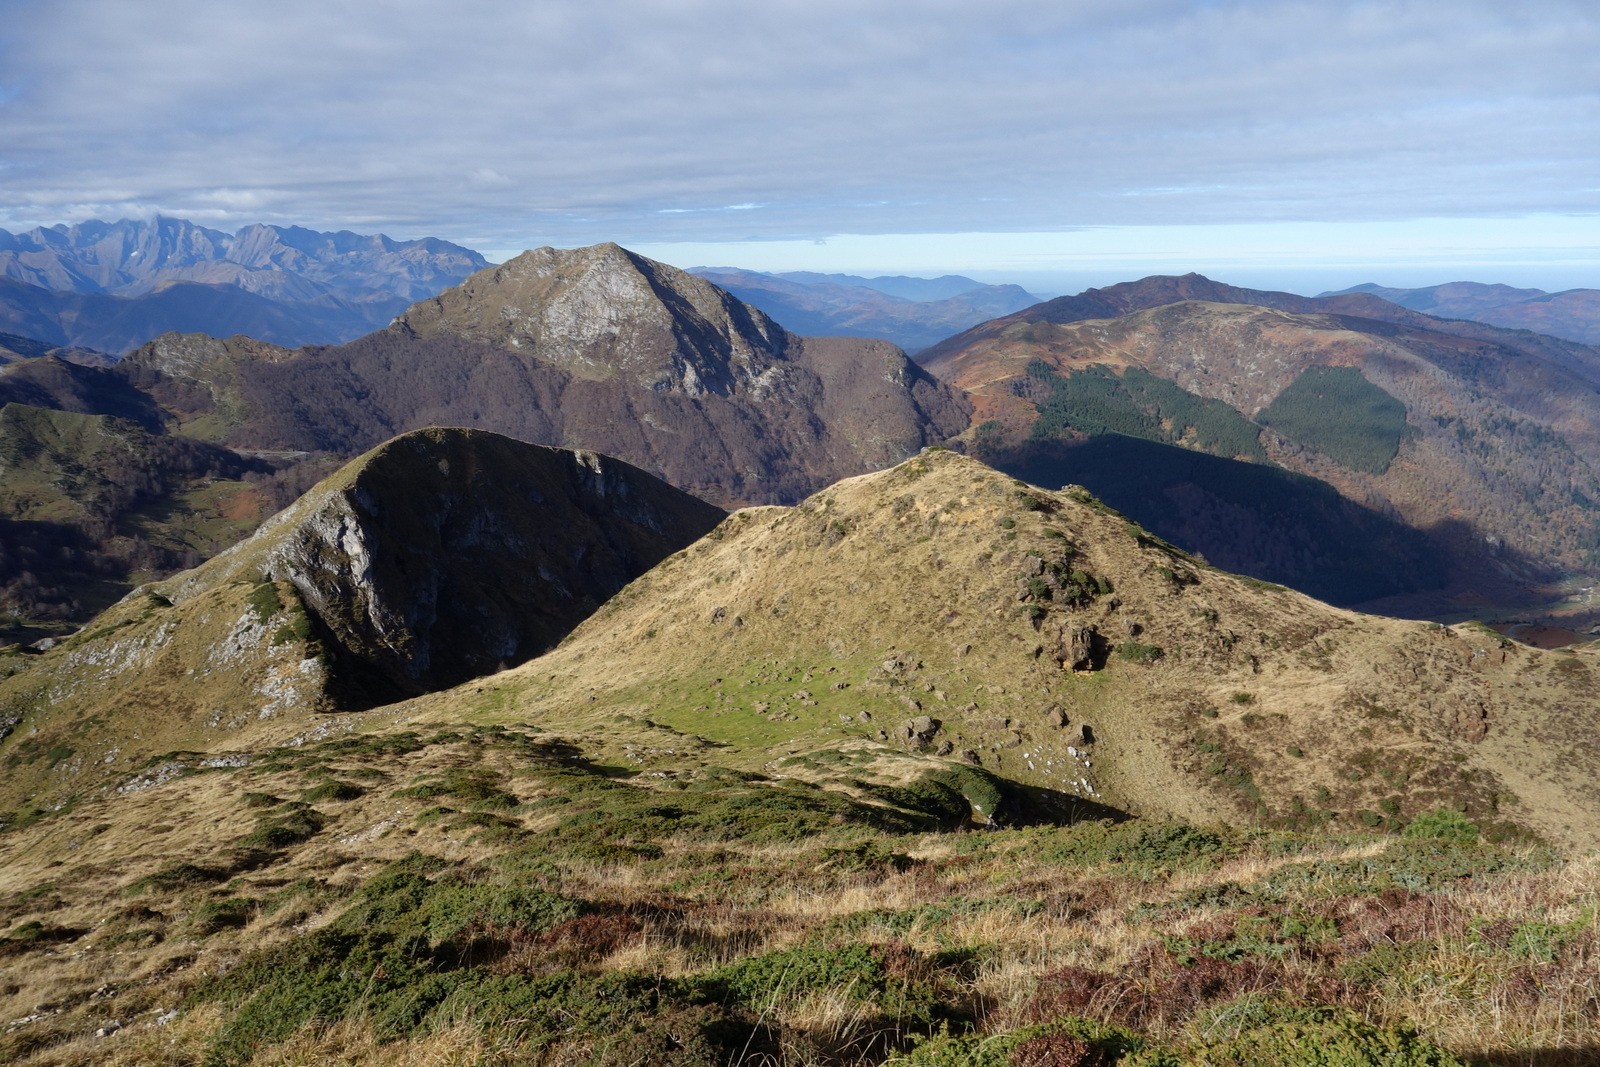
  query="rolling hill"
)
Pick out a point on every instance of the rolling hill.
point(1477, 437)
point(1573, 313)
point(93, 504)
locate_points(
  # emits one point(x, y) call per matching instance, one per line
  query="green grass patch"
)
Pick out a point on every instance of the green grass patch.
point(411, 955)
point(288, 824)
point(263, 601)
point(333, 789)
point(1140, 652)
point(1138, 844)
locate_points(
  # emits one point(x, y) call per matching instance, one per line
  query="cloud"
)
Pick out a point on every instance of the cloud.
point(649, 120)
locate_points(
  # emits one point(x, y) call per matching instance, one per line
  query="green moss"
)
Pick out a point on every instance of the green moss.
point(947, 799)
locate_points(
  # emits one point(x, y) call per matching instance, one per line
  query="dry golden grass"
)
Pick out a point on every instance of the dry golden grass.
point(521, 769)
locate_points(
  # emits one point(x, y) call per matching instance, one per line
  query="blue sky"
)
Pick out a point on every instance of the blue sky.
point(1308, 145)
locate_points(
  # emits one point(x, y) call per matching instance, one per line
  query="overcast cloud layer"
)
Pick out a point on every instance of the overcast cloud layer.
point(503, 125)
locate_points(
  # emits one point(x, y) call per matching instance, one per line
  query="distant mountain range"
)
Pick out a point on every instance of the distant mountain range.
point(914, 313)
point(114, 285)
point(1573, 313)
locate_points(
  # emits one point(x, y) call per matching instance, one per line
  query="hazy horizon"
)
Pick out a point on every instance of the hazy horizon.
point(1264, 142)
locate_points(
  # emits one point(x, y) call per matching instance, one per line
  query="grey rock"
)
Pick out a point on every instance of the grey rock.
point(920, 730)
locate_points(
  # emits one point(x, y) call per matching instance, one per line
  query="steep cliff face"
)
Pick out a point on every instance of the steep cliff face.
point(446, 554)
point(437, 557)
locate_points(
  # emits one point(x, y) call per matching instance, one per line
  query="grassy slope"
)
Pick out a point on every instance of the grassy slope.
point(751, 875)
point(572, 912)
point(137, 502)
point(904, 587)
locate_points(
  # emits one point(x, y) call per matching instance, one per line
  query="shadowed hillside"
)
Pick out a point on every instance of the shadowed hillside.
point(1480, 438)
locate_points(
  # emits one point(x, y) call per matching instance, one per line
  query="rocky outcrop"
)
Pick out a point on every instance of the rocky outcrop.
point(604, 313)
point(446, 554)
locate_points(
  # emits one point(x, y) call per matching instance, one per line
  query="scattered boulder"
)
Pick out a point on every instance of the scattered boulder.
point(920, 730)
point(1081, 648)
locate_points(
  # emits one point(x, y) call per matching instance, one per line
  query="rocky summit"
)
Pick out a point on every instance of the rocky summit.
point(594, 348)
point(604, 313)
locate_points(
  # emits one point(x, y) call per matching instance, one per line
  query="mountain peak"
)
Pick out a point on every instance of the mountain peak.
point(603, 312)
point(439, 556)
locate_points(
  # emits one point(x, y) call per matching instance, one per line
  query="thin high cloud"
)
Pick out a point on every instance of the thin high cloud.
point(504, 126)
